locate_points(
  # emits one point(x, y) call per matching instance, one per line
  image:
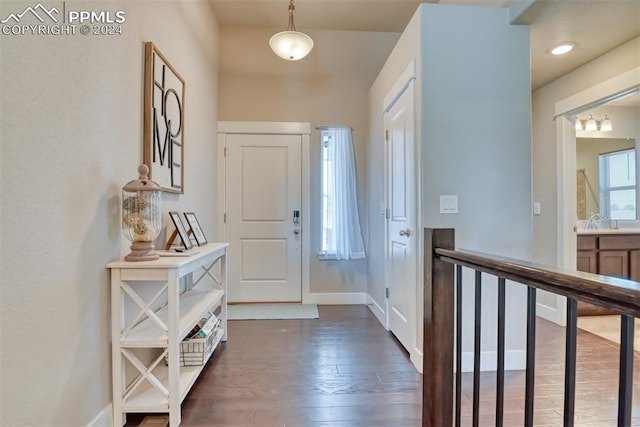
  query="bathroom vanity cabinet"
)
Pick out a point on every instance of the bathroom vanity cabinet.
point(611, 254)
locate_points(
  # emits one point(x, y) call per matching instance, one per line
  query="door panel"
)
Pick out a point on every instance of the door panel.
point(264, 183)
point(264, 259)
point(587, 261)
point(263, 188)
point(401, 228)
point(614, 263)
point(399, 300)
point(634, 265)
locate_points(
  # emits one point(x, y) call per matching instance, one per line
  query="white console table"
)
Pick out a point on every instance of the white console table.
point(185, 289)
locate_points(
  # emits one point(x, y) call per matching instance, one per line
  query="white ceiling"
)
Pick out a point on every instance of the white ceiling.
point(596, 26)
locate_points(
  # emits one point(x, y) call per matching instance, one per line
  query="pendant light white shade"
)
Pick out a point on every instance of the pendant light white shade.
point(291, 45)
point(591, 124)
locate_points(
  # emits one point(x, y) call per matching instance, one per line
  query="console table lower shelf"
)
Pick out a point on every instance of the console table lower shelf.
point(147, 398)
point(155, 304)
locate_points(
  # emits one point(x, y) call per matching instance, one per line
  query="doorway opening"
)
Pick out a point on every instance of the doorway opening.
point(624, 86)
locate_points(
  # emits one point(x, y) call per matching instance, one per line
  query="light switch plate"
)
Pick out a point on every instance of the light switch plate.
point(448, 204)
point(536, 208)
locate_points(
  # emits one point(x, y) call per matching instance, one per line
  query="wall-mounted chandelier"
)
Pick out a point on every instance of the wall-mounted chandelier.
point(590, 124)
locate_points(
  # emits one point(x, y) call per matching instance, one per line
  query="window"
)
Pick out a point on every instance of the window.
point(341, 237)
point(618, 184)
point(328, 196)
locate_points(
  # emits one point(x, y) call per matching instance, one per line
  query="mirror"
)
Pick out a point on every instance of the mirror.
point(591, 177)
point(607, 163)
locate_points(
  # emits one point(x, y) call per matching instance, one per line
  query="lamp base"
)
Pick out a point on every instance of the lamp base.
point(142, 251)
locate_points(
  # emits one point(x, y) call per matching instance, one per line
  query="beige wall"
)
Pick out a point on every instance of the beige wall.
point(71, 120)
point(614, 63)
point(328, 87)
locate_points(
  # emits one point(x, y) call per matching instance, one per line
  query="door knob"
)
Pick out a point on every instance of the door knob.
point(406, 232)
point(296, 231)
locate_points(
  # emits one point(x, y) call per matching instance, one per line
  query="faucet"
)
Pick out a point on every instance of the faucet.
point(594, 221)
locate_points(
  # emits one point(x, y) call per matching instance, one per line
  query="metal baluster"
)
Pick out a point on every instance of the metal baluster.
point(476, 349)
point(500, 365)
point(625, 385)
point(531, 356)
point(570, 362)
point(458, 344)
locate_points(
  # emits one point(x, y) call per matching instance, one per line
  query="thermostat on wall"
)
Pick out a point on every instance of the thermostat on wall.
point(448, 204)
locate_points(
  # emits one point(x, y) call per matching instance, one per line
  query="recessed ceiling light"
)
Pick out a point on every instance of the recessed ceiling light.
point(562, 48)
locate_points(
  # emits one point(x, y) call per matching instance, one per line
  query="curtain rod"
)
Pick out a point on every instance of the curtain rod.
point(325, 127)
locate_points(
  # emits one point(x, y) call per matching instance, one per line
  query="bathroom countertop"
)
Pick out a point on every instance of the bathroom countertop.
point(582, 231)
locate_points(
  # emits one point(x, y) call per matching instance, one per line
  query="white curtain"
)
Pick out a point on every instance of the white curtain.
point(346, 235)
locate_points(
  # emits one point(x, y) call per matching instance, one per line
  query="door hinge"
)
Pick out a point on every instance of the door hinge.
point(225, 151)
point(386, 292)
point(386, 135)
point(224, 218)
point(387, 213)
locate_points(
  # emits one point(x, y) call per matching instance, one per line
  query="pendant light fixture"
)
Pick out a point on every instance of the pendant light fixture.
point(291, 44)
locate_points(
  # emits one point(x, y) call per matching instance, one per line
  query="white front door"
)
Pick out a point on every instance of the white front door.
point(263, 178)
point(401, 229)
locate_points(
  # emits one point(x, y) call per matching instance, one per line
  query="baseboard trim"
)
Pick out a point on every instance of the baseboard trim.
point(336, 298)
point(514, 360)
point(417, 359)
point(104, 418)
point(377, 311)
point(551, 314)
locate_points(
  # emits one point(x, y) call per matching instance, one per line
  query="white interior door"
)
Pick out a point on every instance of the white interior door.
point(263, 190)
point(401, 225)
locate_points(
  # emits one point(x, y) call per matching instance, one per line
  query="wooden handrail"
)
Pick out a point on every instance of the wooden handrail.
point(618, 294)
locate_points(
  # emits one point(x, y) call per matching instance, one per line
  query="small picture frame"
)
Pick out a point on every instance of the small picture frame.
point(201, 240)
point(182, 232)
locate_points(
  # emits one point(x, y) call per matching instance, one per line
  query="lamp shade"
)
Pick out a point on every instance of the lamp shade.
point(606, 125)
point(291, 45)
point(591, 124)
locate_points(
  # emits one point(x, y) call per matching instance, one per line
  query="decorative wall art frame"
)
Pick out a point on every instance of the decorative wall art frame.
point(164, 91)
point(181, 230)
point(196, 231)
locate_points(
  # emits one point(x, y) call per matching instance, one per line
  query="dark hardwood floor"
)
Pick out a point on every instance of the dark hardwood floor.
point(596, 383)
point(345, 370)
